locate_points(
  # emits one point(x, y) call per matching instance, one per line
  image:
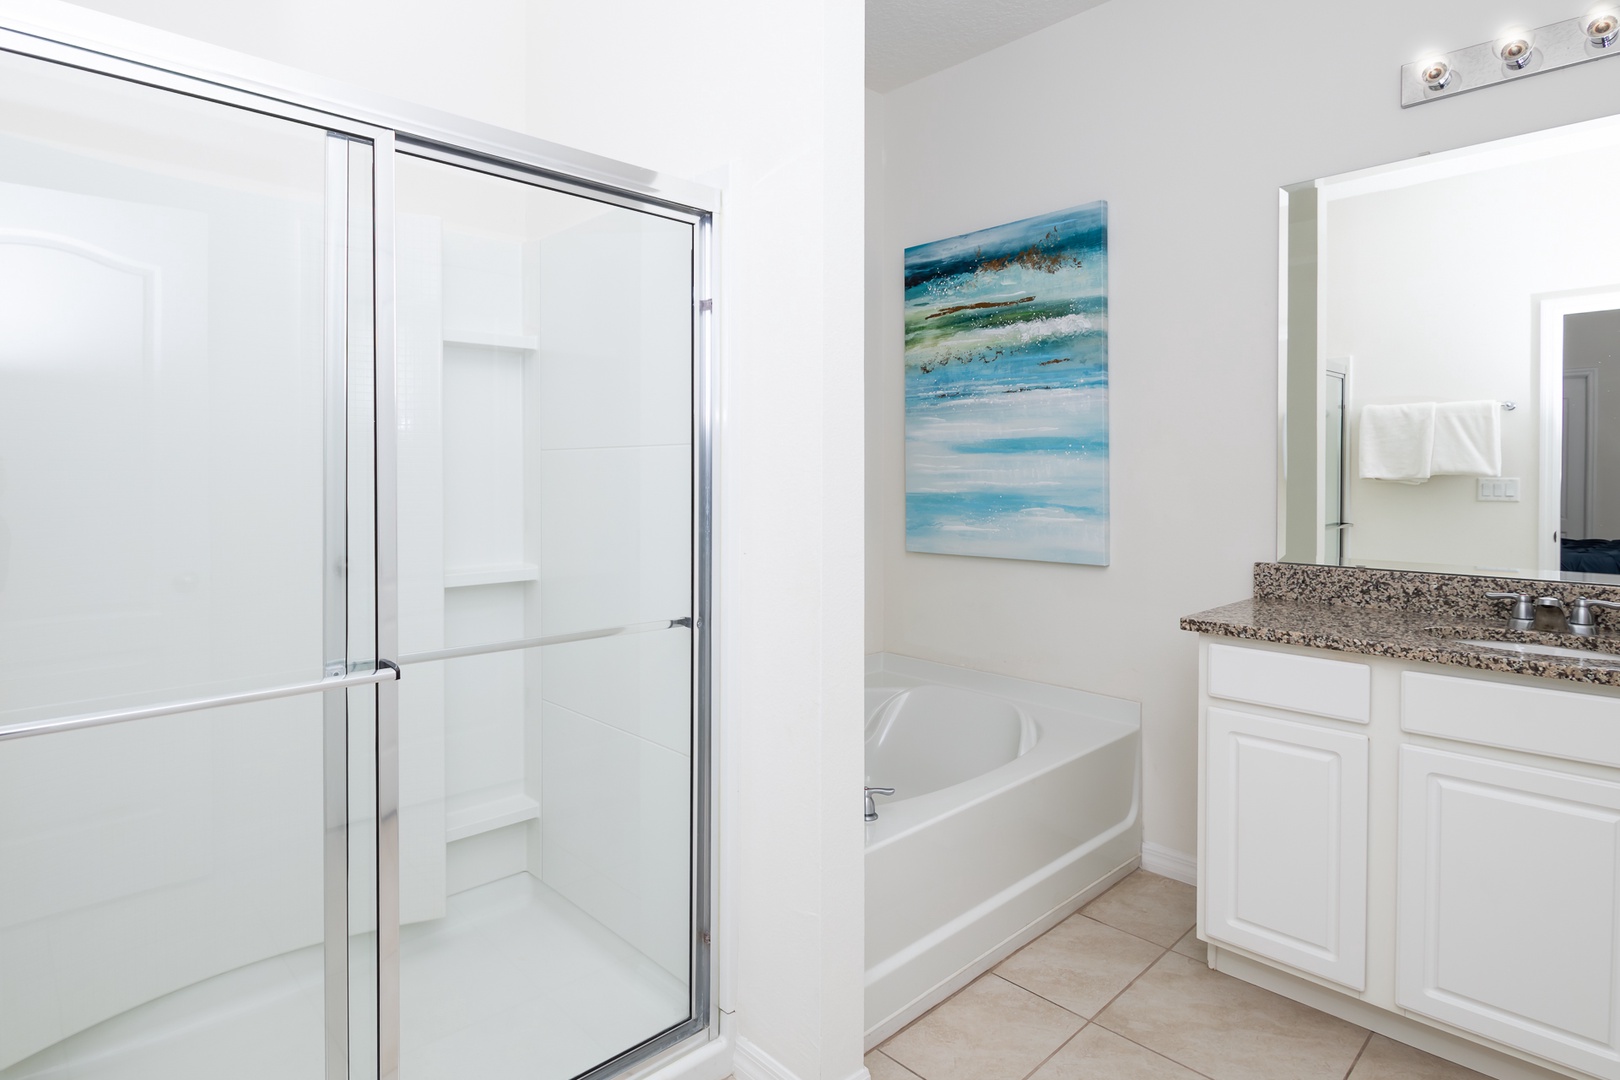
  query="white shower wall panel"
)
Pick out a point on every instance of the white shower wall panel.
point(484, 695)
point(483, 282)
point(419, 390)
point(141, 858)
point(639, 684)
point(615, 538)
point(615, 347)
point(483, 457)
point(615, 832)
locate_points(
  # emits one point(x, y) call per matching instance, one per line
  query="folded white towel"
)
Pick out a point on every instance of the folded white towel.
point(1467, 439)
point(1397, 442)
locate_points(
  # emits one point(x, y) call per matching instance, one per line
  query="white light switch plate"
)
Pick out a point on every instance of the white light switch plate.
point(1499, 489)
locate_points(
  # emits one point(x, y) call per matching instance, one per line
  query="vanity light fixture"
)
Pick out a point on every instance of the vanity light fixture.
point(1602, 27)
point(1515, 55)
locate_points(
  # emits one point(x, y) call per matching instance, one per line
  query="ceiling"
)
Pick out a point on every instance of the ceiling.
point(907, 39)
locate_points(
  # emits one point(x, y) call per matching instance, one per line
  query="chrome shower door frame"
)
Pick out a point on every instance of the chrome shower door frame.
point(88, 41)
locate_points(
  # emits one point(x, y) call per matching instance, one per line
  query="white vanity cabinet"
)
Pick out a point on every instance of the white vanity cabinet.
point(1428, 844)
point(1507, 903)
point(1285, 804)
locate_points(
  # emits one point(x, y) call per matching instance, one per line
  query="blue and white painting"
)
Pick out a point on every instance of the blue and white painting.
point(1007, 391)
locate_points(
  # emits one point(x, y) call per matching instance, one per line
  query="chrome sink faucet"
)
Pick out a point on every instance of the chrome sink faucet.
point(1548, 615)
point(871, 807)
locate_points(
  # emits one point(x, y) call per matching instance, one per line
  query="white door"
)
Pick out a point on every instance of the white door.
point(1577, 454)
point(1285, 860)
point(1509, 887)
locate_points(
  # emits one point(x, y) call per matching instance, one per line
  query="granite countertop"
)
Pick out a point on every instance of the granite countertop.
point(1431, 637)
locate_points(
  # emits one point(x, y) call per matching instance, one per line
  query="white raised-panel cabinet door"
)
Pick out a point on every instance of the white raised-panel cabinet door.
point(1286, 831)
point(1508, 882)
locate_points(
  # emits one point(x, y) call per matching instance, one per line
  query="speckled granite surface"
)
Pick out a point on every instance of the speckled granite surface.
point(1456, 596)
point(1406, 615)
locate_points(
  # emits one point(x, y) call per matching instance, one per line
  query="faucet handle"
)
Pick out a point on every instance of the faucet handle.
point(871, 807)
point(1523, 615)
point(1582, 621)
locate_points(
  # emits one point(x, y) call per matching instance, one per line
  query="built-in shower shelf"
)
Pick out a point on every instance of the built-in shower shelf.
point(516, 342)
point(490, 575)
point(485, 811)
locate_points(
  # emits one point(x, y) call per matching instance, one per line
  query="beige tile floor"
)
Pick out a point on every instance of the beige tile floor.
point(1121, 991)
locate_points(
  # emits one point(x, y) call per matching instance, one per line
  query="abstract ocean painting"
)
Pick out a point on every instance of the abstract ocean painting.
point(1007, 391)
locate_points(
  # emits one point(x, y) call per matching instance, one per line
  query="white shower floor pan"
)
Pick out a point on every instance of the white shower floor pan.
point(514, 982)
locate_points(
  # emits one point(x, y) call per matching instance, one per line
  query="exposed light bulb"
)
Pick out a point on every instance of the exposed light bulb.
point(1515, 50)
point(1436, 74)
point(1602, 28)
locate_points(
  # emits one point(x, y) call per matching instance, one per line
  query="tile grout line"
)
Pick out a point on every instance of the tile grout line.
point(1021, 948)
point(923, 1017)
point(1059, 1048)
point(1167, 951)
point(897, 1063)
point(1084, 1021)
point(1364, 1044)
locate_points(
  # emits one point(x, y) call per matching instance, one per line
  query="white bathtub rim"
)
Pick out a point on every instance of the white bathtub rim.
point(1063, 737)
point(914, 671)
point(883, 719)
point(1070, 722)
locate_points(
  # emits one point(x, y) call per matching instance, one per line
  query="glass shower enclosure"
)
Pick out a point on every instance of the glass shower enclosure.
point(354, 578)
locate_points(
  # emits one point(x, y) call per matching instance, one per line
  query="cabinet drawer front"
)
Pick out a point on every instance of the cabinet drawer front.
point(1309, 684)
point(1508, 890)
point(1285, 865)
point(1581, 727)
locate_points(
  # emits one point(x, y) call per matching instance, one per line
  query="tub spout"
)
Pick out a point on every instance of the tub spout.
point(871, 807)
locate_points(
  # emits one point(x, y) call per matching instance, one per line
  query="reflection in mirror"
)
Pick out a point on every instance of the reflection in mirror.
point(1450, 385)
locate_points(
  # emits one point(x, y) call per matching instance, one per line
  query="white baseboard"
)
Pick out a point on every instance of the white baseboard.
point(1442, 1044)
point(752, 1063)
point(1176, 865)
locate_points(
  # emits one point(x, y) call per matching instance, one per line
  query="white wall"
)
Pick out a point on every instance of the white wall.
point(763, 100)
point(1188, 139)
point(1457, 326)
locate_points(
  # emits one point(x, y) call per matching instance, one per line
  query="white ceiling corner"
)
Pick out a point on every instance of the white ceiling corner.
point(908, 39)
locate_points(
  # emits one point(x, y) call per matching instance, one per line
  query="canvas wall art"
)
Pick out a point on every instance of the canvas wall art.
point(1007, 391)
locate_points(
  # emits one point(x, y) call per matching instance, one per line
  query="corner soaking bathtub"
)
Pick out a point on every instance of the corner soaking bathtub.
point(1015, 802)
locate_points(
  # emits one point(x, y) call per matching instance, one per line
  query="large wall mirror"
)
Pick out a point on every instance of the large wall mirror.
point(1450, 354)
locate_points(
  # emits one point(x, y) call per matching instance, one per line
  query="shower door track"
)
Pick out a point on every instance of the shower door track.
point(92, 42)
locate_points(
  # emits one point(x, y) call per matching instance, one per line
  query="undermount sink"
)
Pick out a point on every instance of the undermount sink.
point(1531, 643)
point(1534, 649)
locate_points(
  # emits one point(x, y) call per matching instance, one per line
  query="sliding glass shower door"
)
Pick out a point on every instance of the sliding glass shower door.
point(353, 578)
point(546, 591)
point(187, 606)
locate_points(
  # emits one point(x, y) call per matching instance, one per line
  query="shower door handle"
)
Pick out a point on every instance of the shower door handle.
point(387, 671)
